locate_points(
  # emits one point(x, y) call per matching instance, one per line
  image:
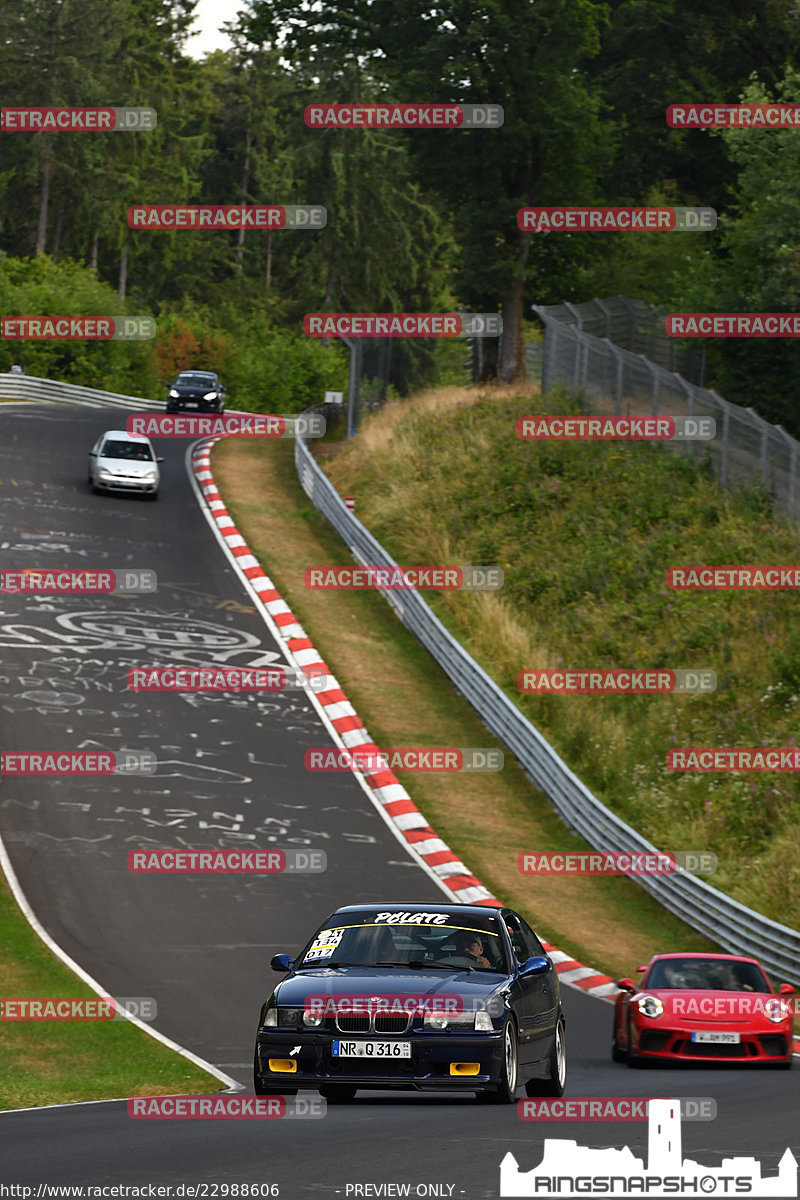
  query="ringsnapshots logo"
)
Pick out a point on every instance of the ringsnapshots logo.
point(413, 325)
point(370, 760)
point(227, 862)
point(77, 1008)
point(82, 120)
point(404, 116)
point(77, 329)
point(721, 760)
point(616, 429)
point(733, 579)
point(227, 216)
point(733, 116)
point(616, 862)
point(74, 582)
point(234, 424)
point(225, 679)
point(611, 1108)
point(567, 1169)
point(617, 681)
point(404, 579)
point(605, 218)
point(732, 325)
point(226, 1108)
point(77, 762)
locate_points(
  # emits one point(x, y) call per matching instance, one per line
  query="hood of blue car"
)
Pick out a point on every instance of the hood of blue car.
point(347, 982)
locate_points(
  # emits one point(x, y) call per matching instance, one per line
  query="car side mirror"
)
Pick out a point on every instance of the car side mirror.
point(537, 965)
point(159, 458)
point(92, 454)
point(638, 969)
point(786, 989)
point(281, 962)
point(626, 984)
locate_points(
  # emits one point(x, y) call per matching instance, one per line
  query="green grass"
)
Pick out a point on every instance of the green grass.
point(54, 1062)
point(585, 533)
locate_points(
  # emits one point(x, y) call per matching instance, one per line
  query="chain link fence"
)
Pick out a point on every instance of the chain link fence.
point(747, 452)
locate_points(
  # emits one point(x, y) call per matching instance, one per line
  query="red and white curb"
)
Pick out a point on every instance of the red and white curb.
point(388, 794)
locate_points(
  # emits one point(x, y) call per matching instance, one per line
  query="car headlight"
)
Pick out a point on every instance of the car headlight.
point(312, 1020)
point(173, 394)
point(149, 474)
point(462, 1020)
point(650, 1006)
point(210, 396)
point(271, 1018)
point(777, 1010)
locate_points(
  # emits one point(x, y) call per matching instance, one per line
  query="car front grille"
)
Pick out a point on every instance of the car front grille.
point(652, 1041)
point(774, 1044)
point(376, 1023)
point(715, 1050)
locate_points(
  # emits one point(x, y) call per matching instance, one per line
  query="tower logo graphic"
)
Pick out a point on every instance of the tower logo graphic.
point(568, 1169)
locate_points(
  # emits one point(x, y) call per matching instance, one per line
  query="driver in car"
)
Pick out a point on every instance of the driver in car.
point(470, 945)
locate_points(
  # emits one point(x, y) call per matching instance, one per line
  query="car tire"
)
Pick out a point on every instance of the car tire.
point(556, 1079)
point(618, 1055)
point(338, 1093)
point(505, 1092)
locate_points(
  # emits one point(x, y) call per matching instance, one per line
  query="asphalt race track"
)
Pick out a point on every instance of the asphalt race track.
point(201, 945)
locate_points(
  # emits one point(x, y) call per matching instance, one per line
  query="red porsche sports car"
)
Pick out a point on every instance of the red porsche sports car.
point(702, 1008)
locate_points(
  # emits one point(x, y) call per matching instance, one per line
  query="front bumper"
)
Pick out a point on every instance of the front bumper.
point(127, 484)
point(193, 404)
point(428, 1067)
point(756, 1045)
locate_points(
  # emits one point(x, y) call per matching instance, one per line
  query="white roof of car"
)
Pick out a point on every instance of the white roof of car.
point(123, 436)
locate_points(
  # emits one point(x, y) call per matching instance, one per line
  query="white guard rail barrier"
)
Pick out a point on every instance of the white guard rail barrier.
point(737, 928)
point(49, 391)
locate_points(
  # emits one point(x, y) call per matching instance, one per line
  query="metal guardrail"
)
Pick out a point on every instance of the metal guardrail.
point(50, 391)
point(739, 929)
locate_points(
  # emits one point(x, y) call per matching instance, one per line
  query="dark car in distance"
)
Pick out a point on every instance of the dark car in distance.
point(196, 391)
point(460, 998)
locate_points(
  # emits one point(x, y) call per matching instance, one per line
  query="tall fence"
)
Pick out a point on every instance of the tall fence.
point(747, 452)
point(739, 929)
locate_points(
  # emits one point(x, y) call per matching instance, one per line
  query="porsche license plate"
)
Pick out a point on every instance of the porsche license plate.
point(343, 1049)
point(717, 1036)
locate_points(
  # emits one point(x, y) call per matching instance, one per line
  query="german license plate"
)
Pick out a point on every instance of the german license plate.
point(343, 1049)
point(716, 1036)
point(192, 403)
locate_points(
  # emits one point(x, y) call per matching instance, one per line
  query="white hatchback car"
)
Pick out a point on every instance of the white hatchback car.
point(125, 462)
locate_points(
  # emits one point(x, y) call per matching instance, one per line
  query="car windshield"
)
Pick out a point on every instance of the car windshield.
point(194, 379)
point(706, 974)
point(419, 938)
point(138, 451)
